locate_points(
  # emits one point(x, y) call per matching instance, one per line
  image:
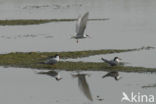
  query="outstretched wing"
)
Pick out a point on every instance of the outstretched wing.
point(81, 24)
point(83, 85)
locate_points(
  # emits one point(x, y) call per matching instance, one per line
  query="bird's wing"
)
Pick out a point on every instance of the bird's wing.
point(83, 85)
point(81, 24)
point(105, 60)
point(106, 75)
point(110, 62)
point(78, 22)
point(50, 61)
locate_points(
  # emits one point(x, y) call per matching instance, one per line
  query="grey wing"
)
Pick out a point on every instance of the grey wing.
point(105, 60)
point(112, 63)
point(50, 61)
point(81, 24)
point(78, 24)
point(83, 85)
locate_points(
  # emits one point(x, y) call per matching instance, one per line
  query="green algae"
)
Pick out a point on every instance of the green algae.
point(39, 21)
point(35, 59)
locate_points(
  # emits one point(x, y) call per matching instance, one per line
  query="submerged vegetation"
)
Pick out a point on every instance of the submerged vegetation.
point(38, 21)
point(149, 86)
point(35, 59)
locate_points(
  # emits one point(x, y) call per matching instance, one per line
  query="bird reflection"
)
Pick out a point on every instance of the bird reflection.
point(114, 74)
point(83, 85)
point(54, 74)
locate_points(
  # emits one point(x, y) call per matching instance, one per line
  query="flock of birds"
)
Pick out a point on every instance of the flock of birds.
point(83, 85)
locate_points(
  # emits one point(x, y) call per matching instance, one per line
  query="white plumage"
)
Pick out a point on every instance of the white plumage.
point(81, 26)
point(52, 60)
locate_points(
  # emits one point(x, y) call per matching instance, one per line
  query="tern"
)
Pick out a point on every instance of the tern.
point(114, 74)
point(54, 74)
point(113, 62)
point(52, 60)
point(81, 26)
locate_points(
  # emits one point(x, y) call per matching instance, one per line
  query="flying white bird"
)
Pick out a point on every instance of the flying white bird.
point(81, 26)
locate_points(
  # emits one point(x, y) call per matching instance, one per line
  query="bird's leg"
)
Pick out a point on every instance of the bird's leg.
point(77, 41)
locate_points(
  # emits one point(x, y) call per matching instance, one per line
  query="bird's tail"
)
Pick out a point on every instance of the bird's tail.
point(104, 76)
point(105, 60)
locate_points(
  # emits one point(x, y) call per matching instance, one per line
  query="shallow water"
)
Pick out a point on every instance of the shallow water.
point(143, 58)
point(131, 24)
point(19, 85)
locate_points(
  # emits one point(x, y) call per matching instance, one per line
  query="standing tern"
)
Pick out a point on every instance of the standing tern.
point(113, 62)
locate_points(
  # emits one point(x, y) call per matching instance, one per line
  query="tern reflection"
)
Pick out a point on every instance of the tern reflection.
point(83, 85)
point(53, 74)
point(113, 74)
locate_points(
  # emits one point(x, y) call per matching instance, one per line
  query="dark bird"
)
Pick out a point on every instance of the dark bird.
point(113, 62)
point(113, 74)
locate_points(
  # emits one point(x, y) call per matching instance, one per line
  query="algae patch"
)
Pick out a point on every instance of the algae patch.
point(35, 59)
point(39, 21)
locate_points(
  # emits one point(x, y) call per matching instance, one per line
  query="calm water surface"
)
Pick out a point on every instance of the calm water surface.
point(131, 24)
point(144, 58)
point(25, 86)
